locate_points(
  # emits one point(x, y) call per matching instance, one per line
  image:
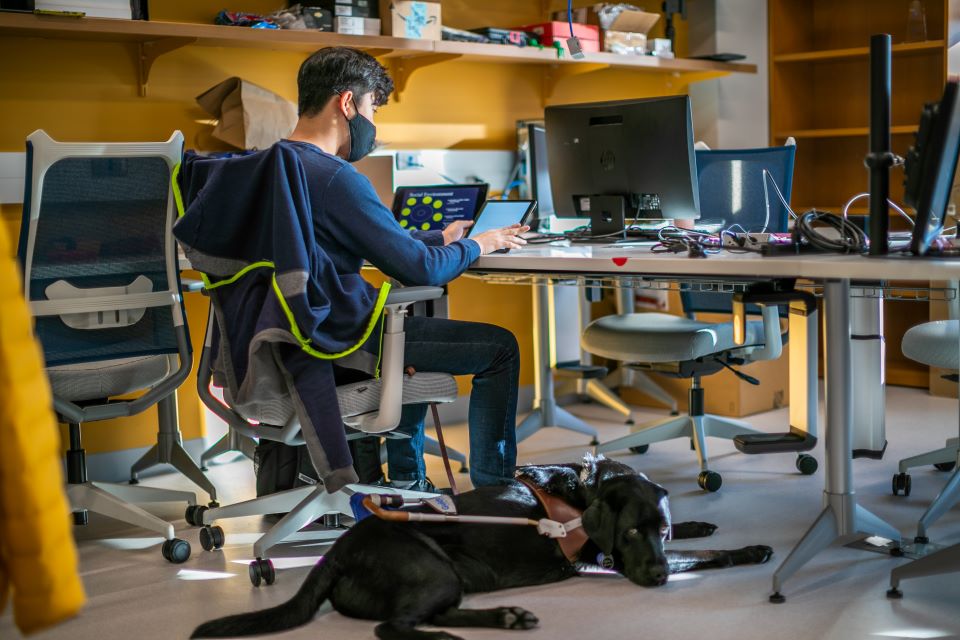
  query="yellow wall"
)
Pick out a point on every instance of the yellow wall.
point(87, 91)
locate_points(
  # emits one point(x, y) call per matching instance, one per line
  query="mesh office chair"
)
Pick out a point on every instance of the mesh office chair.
point(732, 187)
point(936, 344)
point(101, 278)
point(367, 407)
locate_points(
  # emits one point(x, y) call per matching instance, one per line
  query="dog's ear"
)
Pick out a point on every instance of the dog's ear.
point(599, 521)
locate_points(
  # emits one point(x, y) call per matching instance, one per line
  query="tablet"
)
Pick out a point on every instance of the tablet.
point(497, 214)
point(430, 208)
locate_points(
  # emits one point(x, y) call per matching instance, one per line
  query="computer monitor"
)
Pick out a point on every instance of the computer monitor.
point(931, 165)
point(537, 164)
point(638, 150)
point(433, 207)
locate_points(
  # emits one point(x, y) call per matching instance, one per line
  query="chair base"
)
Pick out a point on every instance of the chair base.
point(231, 441)
point(697, 428)
point(169, 450)
point(114, 501)
point(946, 455)
point(302, 505)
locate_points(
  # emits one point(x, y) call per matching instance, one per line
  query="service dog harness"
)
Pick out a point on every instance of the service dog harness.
point(563, 521)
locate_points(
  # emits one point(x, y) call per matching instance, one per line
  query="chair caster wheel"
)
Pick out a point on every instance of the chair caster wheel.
point(777, 598)
point(211, 538)
point(693, 447)
point(262, 571)
point(674, 412)
point(629, 422)
point(901, 483)
point(642, 449)
point(709, 481)
point(921, 540)
point(81, 518)
point(133, 481)
point(332, 521)
point(896, 552)
point(194, 515)
point(175, 550)
point(807, 465)
point(463, 469)
point(945, 466)
point(213, 504)
point(204, 468)
point(594, 442)
point(894, 593)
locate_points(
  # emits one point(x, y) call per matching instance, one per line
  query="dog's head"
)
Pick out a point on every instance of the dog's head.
point(628, 518)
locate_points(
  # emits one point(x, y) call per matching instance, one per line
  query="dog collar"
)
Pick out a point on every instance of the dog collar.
point(569, 530)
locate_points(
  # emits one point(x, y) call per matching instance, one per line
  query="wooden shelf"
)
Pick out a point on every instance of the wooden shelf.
point(404, 56)
point(848, 132)
point(907, 48)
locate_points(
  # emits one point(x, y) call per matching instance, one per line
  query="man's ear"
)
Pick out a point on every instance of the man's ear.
point(345, 102)
point(599, 522)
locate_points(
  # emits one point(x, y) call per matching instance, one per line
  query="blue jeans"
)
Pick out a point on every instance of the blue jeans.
point(489, 353)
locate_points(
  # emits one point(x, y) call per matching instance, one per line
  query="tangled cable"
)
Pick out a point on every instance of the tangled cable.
point(850, 238)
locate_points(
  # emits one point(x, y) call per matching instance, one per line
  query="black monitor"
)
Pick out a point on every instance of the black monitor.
point(540, 189)
point(638, 150)
point(931, 165)
point(433, 207)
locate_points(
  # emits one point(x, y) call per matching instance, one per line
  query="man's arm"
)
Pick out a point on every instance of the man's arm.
point(367, 228)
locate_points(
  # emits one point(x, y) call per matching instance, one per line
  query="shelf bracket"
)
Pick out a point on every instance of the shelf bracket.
point(401, 68)
point(147, 53)
point(554, 74)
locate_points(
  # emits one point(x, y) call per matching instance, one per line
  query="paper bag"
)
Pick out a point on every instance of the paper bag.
point(249, 116)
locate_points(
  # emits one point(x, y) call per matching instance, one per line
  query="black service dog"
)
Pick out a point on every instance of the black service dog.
point(405, 573)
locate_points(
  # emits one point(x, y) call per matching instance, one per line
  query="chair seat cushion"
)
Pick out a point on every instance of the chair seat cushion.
point(936, 344)
point(423, 388)
point(108, 378)
point(359, 398)
point(660, 337)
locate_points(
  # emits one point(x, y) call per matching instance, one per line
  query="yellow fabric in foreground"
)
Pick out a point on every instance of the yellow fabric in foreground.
point(38, 559)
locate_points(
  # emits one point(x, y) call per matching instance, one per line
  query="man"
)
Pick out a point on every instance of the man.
point(340, 90)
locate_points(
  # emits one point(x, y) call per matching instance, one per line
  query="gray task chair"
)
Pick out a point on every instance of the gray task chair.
point(936, 344)
point(736, 185)
point(367, 407)
point(101, 278)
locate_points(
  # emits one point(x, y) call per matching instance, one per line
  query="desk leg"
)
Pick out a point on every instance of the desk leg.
point(842, 519)
point(546, 413)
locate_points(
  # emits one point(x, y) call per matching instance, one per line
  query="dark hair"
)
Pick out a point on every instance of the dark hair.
point(333, 70)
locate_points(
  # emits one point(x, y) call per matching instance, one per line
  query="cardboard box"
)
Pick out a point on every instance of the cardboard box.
point(625, 43)
point(249, 116)
point(357, 26)
point(724, 393)
point(411, 19)
point(624, 27)
point(549, 33)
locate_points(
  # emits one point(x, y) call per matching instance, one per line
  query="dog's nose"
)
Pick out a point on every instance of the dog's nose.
point(658, 575)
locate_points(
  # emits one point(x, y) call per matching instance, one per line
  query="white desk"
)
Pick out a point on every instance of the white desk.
point(842, 518)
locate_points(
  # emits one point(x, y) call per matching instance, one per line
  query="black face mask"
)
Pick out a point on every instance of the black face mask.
point(363, 135)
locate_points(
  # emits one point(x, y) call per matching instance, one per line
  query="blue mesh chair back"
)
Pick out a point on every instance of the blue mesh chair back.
point(97, 219)
point(733, 187)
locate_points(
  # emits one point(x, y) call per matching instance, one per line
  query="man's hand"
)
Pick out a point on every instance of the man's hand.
point(455, 230)
point(506, 238)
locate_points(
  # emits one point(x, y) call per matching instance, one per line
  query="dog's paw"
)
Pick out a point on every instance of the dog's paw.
point(517, 618)
point(756, 554)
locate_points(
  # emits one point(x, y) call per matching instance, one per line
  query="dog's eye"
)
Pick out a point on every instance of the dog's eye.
point(632, 532)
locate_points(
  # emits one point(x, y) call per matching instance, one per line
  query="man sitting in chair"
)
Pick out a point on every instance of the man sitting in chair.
point(340, 90)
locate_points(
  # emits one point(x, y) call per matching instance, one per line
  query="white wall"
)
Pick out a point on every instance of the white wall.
point(731, 112)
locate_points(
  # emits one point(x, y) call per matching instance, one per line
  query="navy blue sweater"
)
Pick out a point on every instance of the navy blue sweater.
point(352, 225)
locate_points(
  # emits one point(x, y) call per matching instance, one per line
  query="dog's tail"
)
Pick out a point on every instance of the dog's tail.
point(295, 612)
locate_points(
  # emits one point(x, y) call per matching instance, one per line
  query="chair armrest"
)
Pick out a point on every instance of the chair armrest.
point(409, 295)
point(191, 286)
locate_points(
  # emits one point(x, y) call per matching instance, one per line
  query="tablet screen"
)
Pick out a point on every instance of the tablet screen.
point(497, 214)
point(433, 208)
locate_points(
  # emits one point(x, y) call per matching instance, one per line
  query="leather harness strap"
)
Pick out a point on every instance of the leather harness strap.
point(560, 511)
